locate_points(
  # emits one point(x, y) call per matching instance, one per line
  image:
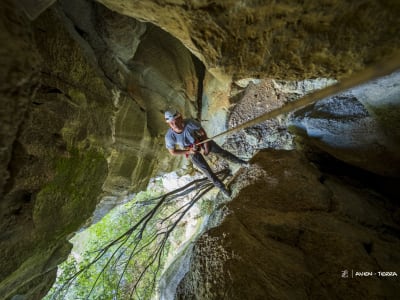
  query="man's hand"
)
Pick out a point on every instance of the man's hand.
point(192, 150)
point(187, 151)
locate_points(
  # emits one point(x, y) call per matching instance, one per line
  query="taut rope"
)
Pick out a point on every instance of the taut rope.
point(383, 68)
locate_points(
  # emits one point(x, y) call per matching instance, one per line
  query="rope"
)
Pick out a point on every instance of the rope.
point(383, 68)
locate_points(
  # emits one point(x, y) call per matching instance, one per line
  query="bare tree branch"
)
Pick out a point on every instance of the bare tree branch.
point(144, 238)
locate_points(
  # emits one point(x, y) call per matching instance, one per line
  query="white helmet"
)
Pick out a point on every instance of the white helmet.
point(171, 115)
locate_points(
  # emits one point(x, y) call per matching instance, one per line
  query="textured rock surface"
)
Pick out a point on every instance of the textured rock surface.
point(253, 98)
point(355, 126)
point(57, 165)
point(290, 234)
point(19, 78)
point(71, 132)
point(277, 39)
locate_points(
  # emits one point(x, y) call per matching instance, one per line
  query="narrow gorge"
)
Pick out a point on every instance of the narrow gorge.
point(84, 88)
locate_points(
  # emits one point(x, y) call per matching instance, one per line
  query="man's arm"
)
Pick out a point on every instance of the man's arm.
point(177, 152)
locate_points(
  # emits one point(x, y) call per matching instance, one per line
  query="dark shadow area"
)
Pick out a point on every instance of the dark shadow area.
point(329, 165)
point(200, 72)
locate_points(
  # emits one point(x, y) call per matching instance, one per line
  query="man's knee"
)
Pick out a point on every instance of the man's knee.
point(199, 161)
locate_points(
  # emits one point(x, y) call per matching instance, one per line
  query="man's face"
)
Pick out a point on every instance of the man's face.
point(177, 125)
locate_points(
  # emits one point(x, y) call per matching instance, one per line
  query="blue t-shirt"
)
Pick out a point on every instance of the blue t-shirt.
point(185, 138)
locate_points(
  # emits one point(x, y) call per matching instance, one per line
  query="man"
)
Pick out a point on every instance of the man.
point(184, 134)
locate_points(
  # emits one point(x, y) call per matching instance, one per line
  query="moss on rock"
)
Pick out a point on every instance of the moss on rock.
point(69, 200)
point(60, 208)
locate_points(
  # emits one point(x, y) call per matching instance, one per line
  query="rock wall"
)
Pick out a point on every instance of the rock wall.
point(306, 223)
point(276, 39)
point(78, 129)
point(359, 126)
point(297, 233)
point(255, 97)
point(57, 162)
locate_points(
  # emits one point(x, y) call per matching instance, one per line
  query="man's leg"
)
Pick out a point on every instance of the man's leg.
point(201, 163)
point(225, 154)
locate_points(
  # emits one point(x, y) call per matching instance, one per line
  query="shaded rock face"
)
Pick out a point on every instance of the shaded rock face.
point(125, 49)
point(77, 127)
point(276, 39)
point(355, 128)
point(56, 147)
point(297, 233)
point(84, 86)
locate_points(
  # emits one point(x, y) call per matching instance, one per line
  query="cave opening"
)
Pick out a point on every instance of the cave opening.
point(85, 87)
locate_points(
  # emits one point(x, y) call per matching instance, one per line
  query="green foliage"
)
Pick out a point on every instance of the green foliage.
point(121, 257)
point(206, 207)
point(109, 270)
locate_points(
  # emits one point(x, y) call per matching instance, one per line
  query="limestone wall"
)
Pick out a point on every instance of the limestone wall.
point(296, 233)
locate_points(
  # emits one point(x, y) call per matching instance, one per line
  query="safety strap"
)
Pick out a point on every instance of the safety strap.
point(194, 145)
point(383, 68)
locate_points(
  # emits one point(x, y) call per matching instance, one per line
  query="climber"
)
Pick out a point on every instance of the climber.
point(184, 133)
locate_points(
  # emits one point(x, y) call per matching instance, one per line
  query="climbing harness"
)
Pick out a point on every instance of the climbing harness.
point(195, 146)
point(383, 68)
